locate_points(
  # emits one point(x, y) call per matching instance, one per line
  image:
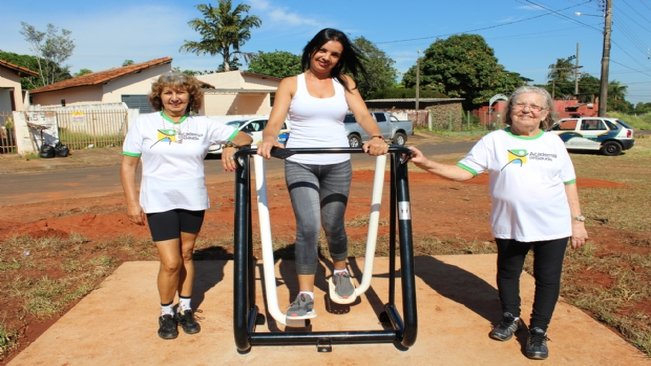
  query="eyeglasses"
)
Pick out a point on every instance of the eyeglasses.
point(532, 107)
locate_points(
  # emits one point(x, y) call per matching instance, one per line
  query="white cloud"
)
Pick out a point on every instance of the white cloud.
point(283, 16)
point(280, 15)
point(259, 4)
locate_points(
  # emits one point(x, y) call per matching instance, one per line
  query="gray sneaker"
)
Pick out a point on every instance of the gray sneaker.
point(301, 308)
point(343, 284)
point(536, 347)
point(506, 328)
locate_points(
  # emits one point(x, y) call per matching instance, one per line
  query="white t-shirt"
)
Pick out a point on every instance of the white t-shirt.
point(317, 122)
point(172, 156)
point(527, 184)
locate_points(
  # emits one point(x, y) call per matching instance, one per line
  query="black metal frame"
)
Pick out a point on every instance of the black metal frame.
point(402, 333)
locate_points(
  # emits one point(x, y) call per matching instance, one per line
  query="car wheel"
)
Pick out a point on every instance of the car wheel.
point(354, 141)
point(400, 139)
point(611, 148)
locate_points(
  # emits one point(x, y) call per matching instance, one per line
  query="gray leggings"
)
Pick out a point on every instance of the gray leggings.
point(319, 195)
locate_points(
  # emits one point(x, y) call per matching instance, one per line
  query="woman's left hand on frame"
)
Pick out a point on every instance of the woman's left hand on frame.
point(228, 159)
point(375, 146)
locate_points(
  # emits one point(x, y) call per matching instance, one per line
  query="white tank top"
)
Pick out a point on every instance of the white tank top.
point(317, 122)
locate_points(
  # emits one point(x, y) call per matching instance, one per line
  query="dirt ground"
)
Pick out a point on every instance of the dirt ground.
point(452, 212)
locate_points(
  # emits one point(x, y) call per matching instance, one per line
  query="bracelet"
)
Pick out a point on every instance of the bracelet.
point(230, 144)
point(378, 136)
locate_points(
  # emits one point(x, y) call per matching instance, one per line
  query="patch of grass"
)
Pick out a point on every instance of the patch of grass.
point(41, 297)
point(363, 221)
point(8, 340)
point(622, 208)
point(618, 283)
point(11, 264)
point(640, 122)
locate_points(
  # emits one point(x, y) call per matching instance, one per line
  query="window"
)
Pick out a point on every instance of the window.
point(593, 125)
point(611, 126)
point(568, 125)
point(380, 117)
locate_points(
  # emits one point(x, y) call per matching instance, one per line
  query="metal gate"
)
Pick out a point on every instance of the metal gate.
point(7, 134)
point(79, 129)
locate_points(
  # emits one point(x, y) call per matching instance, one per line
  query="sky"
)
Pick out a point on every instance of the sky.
point(527, 36)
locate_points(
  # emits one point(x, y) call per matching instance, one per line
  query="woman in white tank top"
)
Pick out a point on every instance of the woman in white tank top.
point(316, 102)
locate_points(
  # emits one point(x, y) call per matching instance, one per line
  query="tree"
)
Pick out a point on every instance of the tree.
point(617, 97)
point(279, 64)
point(30, 62)
point(463, 66)
point(642, 108)
point(222, 29)
point(588, 86)
point(83, 72)
point(379, 67)
point(561, 77)
point(51, 49)
point(127, 62)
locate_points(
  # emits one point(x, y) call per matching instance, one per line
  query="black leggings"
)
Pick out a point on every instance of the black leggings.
point(170, 224)
point(547, 267)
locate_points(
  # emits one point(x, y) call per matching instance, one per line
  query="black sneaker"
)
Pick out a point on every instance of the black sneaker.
point(537, 344)
point(506, 328)
point(187, 322)
point(167, 327)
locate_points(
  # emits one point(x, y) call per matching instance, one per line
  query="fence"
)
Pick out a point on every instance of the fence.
point(7, 134)
point(80, 127)
point(92, 128)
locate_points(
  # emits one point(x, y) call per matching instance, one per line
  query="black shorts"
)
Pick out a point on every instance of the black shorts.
point(170, 224)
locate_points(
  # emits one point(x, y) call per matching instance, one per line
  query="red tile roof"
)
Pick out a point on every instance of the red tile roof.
point(101, 76)
point(21, 71)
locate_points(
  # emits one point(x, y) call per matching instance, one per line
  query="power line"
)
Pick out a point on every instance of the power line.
point(558, 13)
point(640, 14)
point(641, 25)
point(487, 27)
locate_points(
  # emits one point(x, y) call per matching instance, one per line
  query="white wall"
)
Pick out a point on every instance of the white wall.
point(11, 81)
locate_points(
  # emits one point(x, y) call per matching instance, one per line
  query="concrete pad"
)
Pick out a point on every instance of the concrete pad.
point(457, 303)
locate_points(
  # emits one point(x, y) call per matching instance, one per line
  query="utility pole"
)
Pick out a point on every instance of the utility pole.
point(576, 72)
point(605, 59)
point(417, 80)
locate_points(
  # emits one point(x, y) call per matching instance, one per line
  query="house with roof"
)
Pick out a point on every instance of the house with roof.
point(225, 93)
point(11, 92)
point(238, 93)
point(129, 84)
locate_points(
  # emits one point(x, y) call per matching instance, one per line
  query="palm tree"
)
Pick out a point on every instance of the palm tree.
point(221, 29)
point(616, 90)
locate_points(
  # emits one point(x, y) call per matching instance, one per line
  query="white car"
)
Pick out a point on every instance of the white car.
point(253, 127)
point(609, 136)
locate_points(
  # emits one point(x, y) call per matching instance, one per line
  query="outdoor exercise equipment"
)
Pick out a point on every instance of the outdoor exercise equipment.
point(246, 314)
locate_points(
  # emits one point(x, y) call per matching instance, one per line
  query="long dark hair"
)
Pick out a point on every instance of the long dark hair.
point(351, 56)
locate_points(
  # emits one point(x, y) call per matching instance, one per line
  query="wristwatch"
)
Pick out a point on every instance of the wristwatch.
point(579, 218)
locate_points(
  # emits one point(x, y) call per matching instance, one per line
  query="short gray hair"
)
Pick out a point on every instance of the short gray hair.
point(549, 105)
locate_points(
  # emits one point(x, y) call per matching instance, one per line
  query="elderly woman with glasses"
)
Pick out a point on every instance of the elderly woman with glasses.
point(535, 207)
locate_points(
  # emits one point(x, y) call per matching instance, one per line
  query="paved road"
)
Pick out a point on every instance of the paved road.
point(84, 182)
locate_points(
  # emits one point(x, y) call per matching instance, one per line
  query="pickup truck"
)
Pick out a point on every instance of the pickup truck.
point(390, 127)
